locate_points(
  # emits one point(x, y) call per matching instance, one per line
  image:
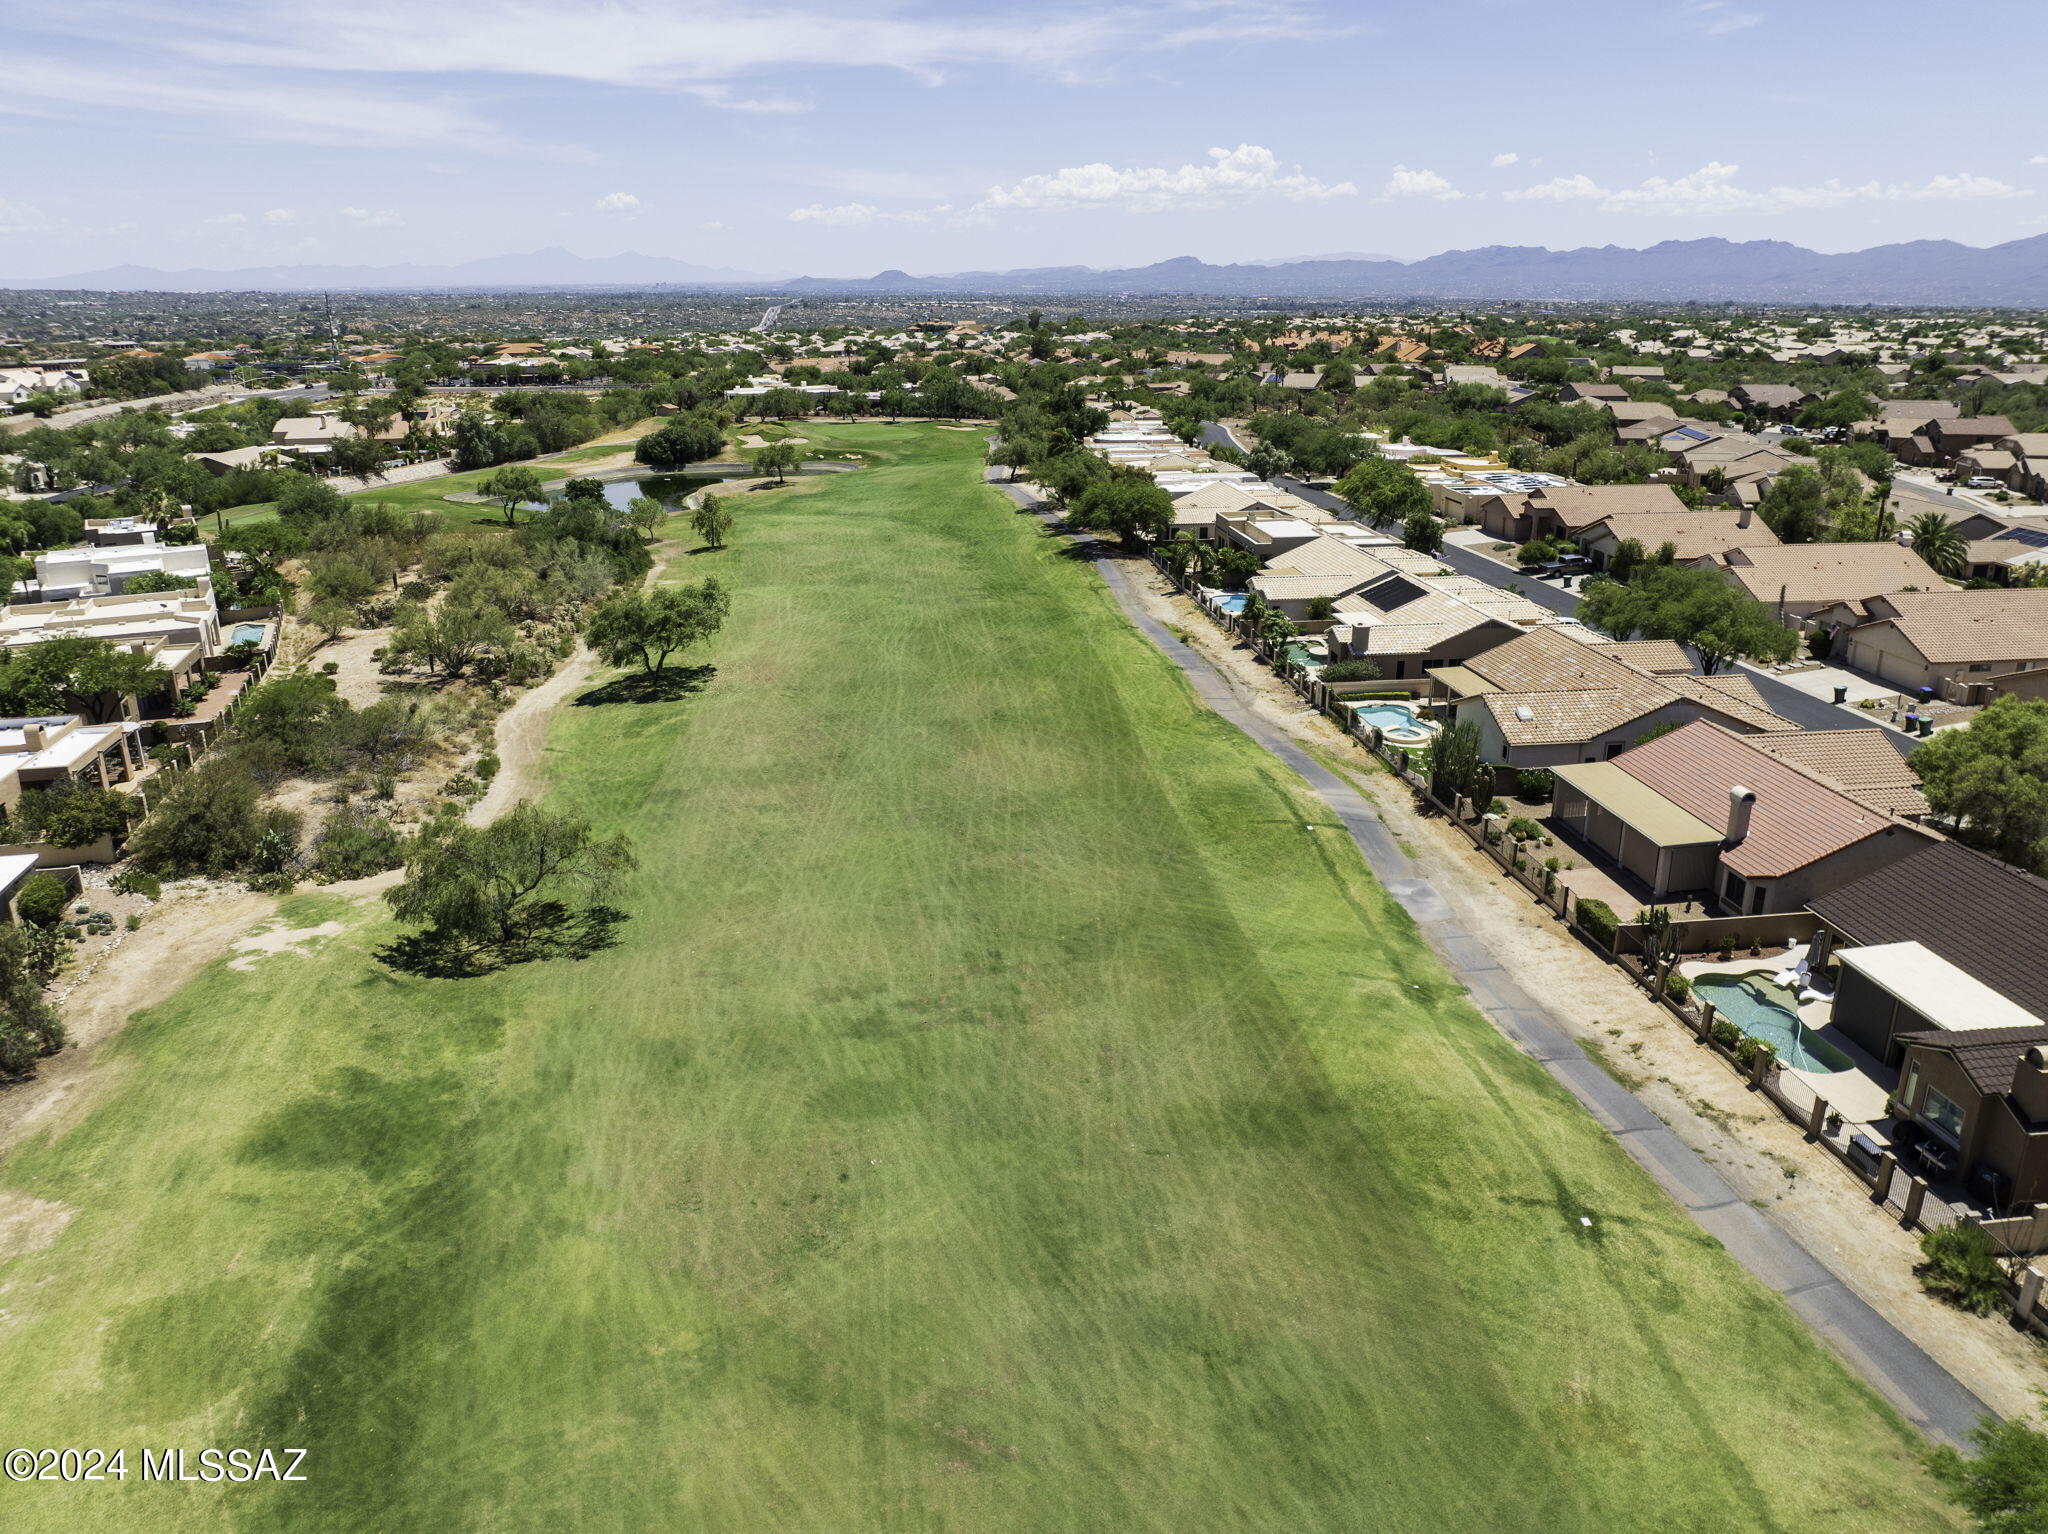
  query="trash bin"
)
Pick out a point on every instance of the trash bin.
point(1842, 694)
point(1926, 726)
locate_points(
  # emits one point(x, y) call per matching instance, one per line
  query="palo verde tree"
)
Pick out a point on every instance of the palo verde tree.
point(76, 674)
point(777, 458)
point(511, 489)
point(647, 627)
point(533, 884)
point(712, 520)
point(1695, 607)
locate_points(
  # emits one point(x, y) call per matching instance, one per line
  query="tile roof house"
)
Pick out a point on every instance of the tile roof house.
point(1566, 509)
point(1951, 641)
point(1413, 613)
point(1864, 763)
point(1703, 810)
point(1768, 399)
point(1804, 578)
point(1695, 535)
point(1548, 698)
point(1976, 1103)
point(1986, 919)
point(1951, 437)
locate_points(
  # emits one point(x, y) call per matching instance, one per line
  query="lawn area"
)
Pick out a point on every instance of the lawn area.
point(1002, 1113)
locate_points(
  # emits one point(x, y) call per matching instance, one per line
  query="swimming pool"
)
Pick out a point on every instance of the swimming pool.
point(1398, 722)
point(246, 633)
point(1771, 1013)
point(1231, 601)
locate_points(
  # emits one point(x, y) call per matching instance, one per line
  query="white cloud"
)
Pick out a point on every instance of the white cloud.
point(1717, 18)
point(1419, 183)
point(227, 220)
point(1713, 190)
point(1501, 161)
point(618, 202)
point(840, 216)
point(259, 108)
point(373, 218)
point(714, 224)
point(688, 45)
point(2039, 159)
point(1245, 173)
point(280, 216)
point(1562, 189)
point(21, 218)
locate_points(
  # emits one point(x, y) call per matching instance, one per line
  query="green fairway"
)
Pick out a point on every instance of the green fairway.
point(1001, 1113)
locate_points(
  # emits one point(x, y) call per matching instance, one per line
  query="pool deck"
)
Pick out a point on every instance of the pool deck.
point(1858, 1094)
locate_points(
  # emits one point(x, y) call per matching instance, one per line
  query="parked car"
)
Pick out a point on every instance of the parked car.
point(1565, 564)
point(1985, 482)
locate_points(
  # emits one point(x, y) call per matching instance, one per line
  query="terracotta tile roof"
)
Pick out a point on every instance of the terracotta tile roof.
point(1981, 916)
point(1962, 626)
point(1734, 696)
point(1797, 819)
point(1864, 762)
point(1826, 572)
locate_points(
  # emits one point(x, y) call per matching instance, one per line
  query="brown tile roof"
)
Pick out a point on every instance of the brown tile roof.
point(1579, 506)
point(1864, 762)
point(1709, 530)
point(1826, 572)
point(1962, 626)
point(1988, 1056)
point(1797, 818)
point(1983, 917)
point(1571, 691)
point(1659, 657)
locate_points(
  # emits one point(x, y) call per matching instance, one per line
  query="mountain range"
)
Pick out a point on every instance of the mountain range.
point(1919, 272)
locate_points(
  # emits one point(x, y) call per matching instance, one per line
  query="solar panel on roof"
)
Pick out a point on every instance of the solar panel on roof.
point(1391, 592)
point(2033, 537)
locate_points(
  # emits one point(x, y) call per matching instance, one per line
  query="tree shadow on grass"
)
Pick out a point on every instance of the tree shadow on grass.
point(551, 931)
point(664, 686)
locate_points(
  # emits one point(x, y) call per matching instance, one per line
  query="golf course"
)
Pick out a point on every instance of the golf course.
point(1008, 1107)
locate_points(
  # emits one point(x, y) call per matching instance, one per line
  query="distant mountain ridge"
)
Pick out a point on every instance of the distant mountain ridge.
point(1930, 272)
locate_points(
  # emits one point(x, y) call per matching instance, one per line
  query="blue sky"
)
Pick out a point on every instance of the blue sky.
point(842, 136)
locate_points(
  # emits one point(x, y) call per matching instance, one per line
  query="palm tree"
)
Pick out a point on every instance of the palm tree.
point(1936, 540)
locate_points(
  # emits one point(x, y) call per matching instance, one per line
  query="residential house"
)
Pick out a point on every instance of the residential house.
point(1988, 921)
point(1568, 510)
point(1952, 642)
point(1555, 696)
point(1952, 437)
point(1418, 614)
point(2030, 463)
point(1975, 1091)
point(1575, 393)
point(44, 751)
point(94, 570)
point(1695, 536)
point(1864, 763)
point(1768, 399)
point(1702, 811)
point(1799, 580)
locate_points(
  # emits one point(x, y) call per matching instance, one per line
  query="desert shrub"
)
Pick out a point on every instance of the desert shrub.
point(133, 881)
point(487, 767)
point(213, 822)
point(1747, 1049)
point(41, 900)
point(1676, 986)
point(1726, 1034)
point(1599, 920)
point(1522, 829)
point(74, 814)
point(1962, 1267)
point(1350, 671)
point(1536, 785)
point(355, 842)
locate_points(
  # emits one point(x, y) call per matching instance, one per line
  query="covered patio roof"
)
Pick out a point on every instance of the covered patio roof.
point(1639, 807)
point(1951, 998)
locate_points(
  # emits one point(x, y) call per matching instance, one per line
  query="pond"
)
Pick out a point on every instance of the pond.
point(669, 489)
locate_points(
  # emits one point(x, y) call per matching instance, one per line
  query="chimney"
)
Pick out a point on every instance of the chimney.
point(1742, 516)
point(1740, 802)
point(32, 736)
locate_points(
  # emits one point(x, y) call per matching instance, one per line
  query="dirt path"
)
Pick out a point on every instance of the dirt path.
point(198, 921)
point(1761, 1154)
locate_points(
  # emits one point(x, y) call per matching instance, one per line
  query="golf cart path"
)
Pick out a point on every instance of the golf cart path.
point(1898, 1368)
